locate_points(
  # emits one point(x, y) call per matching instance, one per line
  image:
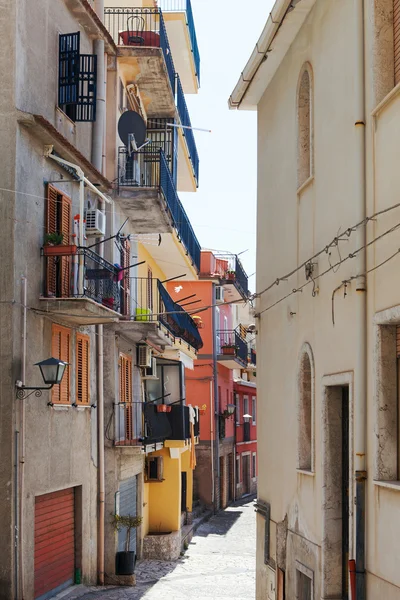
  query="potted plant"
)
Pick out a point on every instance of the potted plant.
point(198, 322)
point(228, 349)
point(231, 275)
point(203, 409)
point(53, 245)
point(125, 561)
point(163, 408)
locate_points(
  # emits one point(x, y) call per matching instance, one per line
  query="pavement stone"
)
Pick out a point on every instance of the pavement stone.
point(219, 564)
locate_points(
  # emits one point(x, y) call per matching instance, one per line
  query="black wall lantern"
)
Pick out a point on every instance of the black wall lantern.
point(52, 370)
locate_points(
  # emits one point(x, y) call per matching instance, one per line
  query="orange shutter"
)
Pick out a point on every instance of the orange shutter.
point(396, 36)
point(51, 227)
point(65, 260)
point(82, 369)
point(58, 220)
point(125, 392)
point(61, 348)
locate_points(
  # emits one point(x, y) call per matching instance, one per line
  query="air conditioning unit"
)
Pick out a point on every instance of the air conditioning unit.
point(145, 356)
point(151, 372)
point(219, 293)
point(95, 222)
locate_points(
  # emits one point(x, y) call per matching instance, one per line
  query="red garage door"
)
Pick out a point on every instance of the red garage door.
point(54, 541)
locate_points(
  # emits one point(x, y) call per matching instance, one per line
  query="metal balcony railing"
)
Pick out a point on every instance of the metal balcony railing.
point(234, 271)
point(185, 6)
point(149, 169)
point(140, 27)
point(230, 342)
point(154, 304)
point(82, 274)
point(253, 357)
point(188, 133)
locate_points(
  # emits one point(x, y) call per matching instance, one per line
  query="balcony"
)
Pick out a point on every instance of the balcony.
point(147, 194)
point(81, 288)
point(144, 55)
point(157, 317)
point(169, 426)
point(231, 349)
point(181, 30)
point(228, 271)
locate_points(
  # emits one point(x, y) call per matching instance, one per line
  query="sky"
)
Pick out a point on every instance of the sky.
point(223, 210)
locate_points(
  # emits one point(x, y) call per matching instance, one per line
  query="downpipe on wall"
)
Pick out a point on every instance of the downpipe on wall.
point(360, 387)
point(214, 408)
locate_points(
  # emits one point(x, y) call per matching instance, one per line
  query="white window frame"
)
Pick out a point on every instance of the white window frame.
point(254, 409)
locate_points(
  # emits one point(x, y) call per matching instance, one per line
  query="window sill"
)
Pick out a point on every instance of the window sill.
point(305, 185)
point(61, 406)
point(390, 485)
point(305, 472)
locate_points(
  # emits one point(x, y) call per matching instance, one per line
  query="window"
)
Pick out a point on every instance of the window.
point(77, 78)
point(219, 399)
point(61, 348)
point(125, 394)
point(155, 468)
point(237, 408)
point(304, 582)
point(82, 369)
point(58, 220)
point(245, 405)
point(305, 409)
point(254, 465)
point(254, 409)
point(126, 281)
point(304, 127)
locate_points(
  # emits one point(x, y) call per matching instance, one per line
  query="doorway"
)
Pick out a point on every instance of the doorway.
point(246, 474)
point(184, 491)
point(230, 477)
point(222, 501)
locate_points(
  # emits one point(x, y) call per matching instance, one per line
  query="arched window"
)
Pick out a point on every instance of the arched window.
point(305, 460)
point(304, 127)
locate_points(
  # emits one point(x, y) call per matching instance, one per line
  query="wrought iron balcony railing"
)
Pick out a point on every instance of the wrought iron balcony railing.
point(152, 303)
point(149, 169)
point(188, 133)
point(185, 6)
point(74, 272)
point(140, 27)
point(231, 343)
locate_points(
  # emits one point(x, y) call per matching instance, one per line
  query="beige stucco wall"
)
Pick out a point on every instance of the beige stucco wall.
point(291, 228)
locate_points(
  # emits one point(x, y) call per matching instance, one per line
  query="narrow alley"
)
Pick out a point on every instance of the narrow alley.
point(219, 563)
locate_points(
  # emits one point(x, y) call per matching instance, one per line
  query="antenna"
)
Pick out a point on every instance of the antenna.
point(132, 130)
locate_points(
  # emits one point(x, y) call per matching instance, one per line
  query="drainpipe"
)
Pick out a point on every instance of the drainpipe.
point(215, 465)
point(22, 443)
point(212, 437)
point(360, 388)
point(97, 159)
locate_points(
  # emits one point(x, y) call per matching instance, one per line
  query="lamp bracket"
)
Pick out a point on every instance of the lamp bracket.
point(22, 391)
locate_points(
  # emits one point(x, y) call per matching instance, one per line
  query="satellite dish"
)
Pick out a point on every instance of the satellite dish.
point(131, 124)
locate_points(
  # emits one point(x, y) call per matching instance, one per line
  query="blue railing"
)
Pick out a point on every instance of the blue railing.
point(164, 45)
point(188, 133)
point(185, 6)
point(241, 277)
point(253, 357)
point(232, 339)
point(179, 216)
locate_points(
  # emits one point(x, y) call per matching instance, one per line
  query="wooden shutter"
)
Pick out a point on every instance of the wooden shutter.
point(396, 37)
point(125, 392)
point(65, 227)
point(51, 227)
point(82, 369)
point(398, 341)
point(58, 220)
point(61, 348)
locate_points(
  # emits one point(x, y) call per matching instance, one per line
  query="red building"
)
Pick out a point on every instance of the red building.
point(245, 395)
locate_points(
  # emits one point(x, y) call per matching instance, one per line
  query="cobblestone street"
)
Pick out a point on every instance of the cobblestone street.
point(219, 563)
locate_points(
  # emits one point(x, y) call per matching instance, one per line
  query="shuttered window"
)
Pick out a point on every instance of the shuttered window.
point(82, 369)
point(125, 393)
point(126, 282)
point(58, 220)
point(396, 36)
point(61, 348)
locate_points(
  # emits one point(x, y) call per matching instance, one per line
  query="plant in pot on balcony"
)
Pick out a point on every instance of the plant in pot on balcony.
point(231, 275)
point(125, 561)
point(53, 245)
point(229, 349)
point(163, 408)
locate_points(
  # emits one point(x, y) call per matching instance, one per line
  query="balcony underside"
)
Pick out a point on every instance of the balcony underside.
point(230, 361)
point(145, 66)
point(78, 311)
point(136, 331)
point(173, 259)
point(181, 48)
point(186, 180)
point(146, 209)
point(232, 291)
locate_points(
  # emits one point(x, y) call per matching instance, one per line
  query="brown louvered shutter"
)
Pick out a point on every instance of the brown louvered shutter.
point(125, 393)
point(61, 348)
point(51, 227)
point(82, 369)
point(126, 256)
point(396, 36)
point(398, 341)
point(65, 260)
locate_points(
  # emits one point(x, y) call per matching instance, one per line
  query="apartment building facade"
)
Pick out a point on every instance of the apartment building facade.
point(327, 298)
point(222, 283)
point(77, 233)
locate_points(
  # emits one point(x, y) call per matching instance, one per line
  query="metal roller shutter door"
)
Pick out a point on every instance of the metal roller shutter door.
point(54, 541)
point(127, 506)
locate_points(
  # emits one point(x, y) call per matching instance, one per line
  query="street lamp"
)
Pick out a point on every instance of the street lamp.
point(52, 370)
point(231, 409)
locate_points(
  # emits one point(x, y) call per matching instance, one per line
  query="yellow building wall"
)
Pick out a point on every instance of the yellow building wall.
point(165, 496)
point(146, 509)
point(144, 254)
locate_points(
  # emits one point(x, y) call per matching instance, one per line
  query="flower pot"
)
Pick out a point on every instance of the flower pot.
point(231, 276)
point(125, 563)
point(202, 411)
point(163, 408)
point(60, 250)
point(228, 350)
point(142, 314)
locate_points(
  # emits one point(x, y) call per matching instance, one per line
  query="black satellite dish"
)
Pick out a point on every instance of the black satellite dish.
point(130, 122)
